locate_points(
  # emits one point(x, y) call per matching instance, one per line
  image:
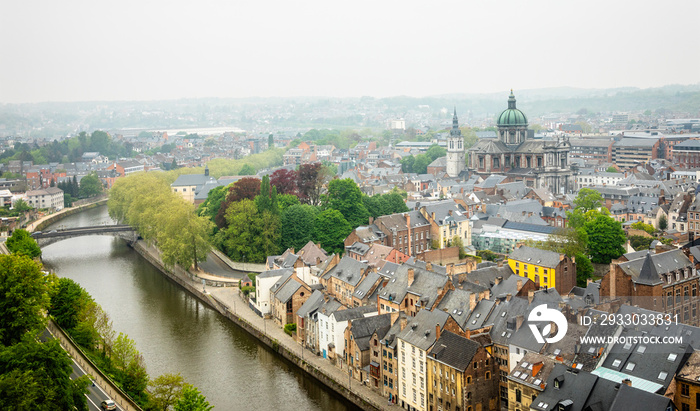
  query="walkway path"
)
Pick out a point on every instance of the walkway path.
point(231, 298)
point(234, 303)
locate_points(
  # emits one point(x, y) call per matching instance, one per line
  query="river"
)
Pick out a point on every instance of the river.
point(175, 332)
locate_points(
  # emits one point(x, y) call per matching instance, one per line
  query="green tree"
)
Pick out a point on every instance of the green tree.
point(250, 233)
point(247, 170)
point(270, 141)
point(23, 289)
point(21, 206)
point(639, 242)
point(21, 242)
point(568, 241)
point(612, 169)
point(286, 200)
point(584, 269)
point(346, 197)
point(192, 400)
point(663, 223)
point(90, 186)
point(641, 225)
point(36, 376)
point(267, 199)
point(297, 226)
point(457, 242)
point(407, 164)
point(131, 370)
point(165, 391)
point(210, 207)
point(435, 152)
point(330, 229)
point(605, 239)
point(420, 165)
point(587, 200)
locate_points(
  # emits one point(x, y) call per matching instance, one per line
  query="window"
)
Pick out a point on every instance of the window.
point(518, 395)
point(685, 390)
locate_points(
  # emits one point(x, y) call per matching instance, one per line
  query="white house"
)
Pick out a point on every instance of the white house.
point(263, 283)
point(331, 328)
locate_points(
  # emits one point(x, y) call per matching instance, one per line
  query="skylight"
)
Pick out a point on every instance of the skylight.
point(630, 366)
point(672, 357)
point(663, 375)
point(641, 349)
point(616, 363)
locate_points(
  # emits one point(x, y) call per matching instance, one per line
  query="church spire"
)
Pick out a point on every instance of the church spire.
point(511, 100)
point(455, 125)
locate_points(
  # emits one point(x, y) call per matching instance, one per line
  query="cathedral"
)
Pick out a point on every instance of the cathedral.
point(516, 154)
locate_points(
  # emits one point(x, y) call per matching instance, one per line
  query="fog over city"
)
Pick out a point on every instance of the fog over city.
point(133, 50)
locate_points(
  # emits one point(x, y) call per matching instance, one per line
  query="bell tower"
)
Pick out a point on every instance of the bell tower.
point(455, 149)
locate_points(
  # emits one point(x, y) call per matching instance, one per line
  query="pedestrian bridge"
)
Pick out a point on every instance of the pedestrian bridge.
point(122, 231)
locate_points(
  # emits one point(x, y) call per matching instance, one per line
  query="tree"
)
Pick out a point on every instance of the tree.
point(407, 164)
point(297, 226)
point(584, 269)
point(192, 400)
point(247, 170)
point(284, 201)
point(67, 303)
point(90, 186)
point(285, 181)
point(250, 233)
point(569, 241)
point(641, 225)
point(267, 199)
point(420, 165)
point(310, 181)
point(23, 289)
point(587, 200)
point(166, 391)
point(36, 376)
point(330, 229)
point(435, 152)
point(639, 242)
point(21, 242)
point(245, 188)
point(21, 206)
point(131, 370)
point(612, 169)
point(346, 197)
point(210, 207)
point(457, 242)
point(605, 239)
point(270, 141)
point(663, 223)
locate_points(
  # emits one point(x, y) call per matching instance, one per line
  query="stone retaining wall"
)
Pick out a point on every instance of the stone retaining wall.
point(181, 277)
point(91, 369)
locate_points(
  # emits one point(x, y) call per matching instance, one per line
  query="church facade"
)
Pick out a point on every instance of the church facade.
point(516, 154)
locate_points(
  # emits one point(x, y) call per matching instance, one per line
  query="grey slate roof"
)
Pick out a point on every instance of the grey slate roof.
point(363, 328)
point(312, 304)
point(286, 291)
point(454, 350)
point(366, 285)
point(276, 273)
point(535, 256)
point(348, 270)
point(425, 286)
point(352, 313)
point(641, 271)
point(420, 331)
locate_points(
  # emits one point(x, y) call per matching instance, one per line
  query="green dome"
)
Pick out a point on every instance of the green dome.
point(511, 116)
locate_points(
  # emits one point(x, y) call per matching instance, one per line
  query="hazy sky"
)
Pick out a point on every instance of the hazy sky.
point(142, 50)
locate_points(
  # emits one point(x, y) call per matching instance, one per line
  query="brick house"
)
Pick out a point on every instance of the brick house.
point(665, 282)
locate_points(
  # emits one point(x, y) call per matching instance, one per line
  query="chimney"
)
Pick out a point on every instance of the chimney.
point(627, 382)
point(371, 219)
point(433, 215)
point(509, 297)
point(437, 331)
point(411, 274)
point(462, 277)
point(498, 280)
point(429, 266)
point(408, 227)
point(519, 321)
point(394, 315)
point(519, 285)
point(472, 301)
point(403, 322)
point(530, 296)
point(500, 263)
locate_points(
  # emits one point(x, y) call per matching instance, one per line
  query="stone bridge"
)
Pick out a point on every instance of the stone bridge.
point(122, 231)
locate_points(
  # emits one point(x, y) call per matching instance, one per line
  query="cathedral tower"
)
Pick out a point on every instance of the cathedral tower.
point(455, 149)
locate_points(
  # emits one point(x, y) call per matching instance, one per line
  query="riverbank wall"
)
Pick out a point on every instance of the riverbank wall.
point(191, 283)
point(50, 219)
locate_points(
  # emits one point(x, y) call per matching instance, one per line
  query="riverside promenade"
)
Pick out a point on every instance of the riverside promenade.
point(228, 302)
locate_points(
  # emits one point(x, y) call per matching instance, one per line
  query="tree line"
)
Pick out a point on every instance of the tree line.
point(255, 218)
point(35, 370)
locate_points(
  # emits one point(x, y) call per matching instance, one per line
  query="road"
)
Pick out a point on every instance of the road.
point(215, 266)
point(95, 394)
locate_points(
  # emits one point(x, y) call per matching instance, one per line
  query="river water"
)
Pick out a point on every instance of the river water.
point(175, 332)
